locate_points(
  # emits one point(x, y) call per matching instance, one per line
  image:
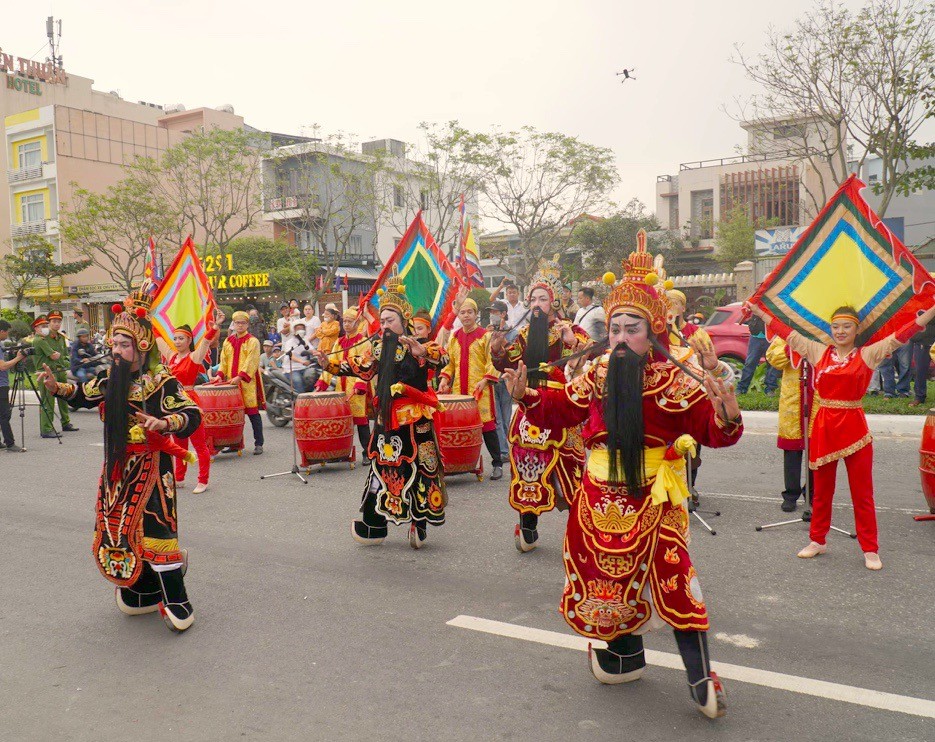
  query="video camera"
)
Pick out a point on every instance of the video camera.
point(11, 349)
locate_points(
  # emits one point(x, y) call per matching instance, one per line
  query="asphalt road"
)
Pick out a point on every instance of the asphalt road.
point(301, 634)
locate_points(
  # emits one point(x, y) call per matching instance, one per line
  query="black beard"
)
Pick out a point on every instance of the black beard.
point(116, 415)
point(623, 417)
point(387, 374)
point(537, 346)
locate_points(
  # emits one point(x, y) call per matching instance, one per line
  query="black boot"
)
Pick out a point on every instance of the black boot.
point(142, 596)
point(417, 534)
point(175, 607)
point(371, 529)
point(622, 662)
point(705, 687)
point(526, 535)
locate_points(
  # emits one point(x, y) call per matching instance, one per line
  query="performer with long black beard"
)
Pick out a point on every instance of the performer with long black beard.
point(136, 532)
point(405, 482)
point(626, 559)
point(545, 461)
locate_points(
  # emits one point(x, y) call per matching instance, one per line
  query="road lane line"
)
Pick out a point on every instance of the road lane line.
point(806, 686)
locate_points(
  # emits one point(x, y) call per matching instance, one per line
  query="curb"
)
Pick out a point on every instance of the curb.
point(899, 426)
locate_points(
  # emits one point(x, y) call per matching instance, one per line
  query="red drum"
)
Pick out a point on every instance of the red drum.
point(323, 427)
point(460, 433)
point(927, 461)
point(222, 413)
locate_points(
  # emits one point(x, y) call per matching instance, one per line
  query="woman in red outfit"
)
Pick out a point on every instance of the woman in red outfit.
point(186, 363)
point(838, 428)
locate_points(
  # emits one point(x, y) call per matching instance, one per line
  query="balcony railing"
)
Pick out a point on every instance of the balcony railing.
point(280, 204)
point(27, 228)
point(24, 173)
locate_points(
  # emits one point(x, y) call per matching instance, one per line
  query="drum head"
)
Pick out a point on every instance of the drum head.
point(217, 387)
point(450, 398)
point(322, 395)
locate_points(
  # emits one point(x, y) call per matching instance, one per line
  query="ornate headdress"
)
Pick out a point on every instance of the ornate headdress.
point(393, 296)
point(636, 293)
point(548, 277)
point(132, 318)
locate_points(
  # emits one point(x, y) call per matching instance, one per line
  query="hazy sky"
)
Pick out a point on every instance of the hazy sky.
point(379, 68)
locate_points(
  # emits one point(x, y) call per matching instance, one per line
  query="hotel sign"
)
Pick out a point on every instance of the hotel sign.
point(44, 71)
point(23, 85)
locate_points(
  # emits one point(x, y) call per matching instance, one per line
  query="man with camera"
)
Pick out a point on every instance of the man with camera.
point(52, 351)
point(6, 411)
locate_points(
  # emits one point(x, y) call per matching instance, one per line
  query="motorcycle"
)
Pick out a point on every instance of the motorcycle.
point(280, 397)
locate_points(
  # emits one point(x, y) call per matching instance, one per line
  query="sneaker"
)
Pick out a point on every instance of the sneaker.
point(70, 428)
point(496, 473)
point(916, 403)
point(257, 450)
point(872, 561)
point(13, 448)
point(48, 435)
point(199, 488)
point(812, 550)
point(788, 506)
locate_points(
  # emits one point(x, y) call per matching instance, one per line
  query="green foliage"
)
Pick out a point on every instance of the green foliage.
point(481, 298)
point(291, 272)
point(605, 243)
point(873, 405)
point(735, 237)
point(34, 260)
point(20, 322)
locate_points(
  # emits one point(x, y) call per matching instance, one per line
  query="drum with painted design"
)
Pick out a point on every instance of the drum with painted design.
point(927, 461)
point(323, 427)
point(460, 433)
point(222, 413)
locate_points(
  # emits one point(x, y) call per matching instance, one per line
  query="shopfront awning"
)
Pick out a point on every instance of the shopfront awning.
point(358, 274)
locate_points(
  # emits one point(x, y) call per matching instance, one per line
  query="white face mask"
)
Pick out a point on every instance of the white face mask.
point(300, 333)
point(43, 330)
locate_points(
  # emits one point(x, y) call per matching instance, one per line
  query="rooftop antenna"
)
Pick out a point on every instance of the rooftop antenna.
point(53, 30)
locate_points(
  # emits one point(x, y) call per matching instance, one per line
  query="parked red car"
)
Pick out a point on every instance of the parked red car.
point(730, 338)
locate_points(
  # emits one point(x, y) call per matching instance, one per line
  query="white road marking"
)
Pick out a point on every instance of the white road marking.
point(806, 686)
point(738, 640)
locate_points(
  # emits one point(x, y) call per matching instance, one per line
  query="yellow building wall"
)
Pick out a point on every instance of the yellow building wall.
point(15, 148)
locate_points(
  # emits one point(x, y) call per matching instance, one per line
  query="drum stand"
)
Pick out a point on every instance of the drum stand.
point(807, 513)
point(694, 500)
point(295, 444)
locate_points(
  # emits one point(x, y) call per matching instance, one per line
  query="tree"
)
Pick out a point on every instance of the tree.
point(851, 86)
point(35, 259)
point(606, 242)
point(331, 189)
point(210, 182)
point(735, 236)
point(17, 273)
point(291, 271)
point(443, 166)
point(537, 183)
point(112, 229)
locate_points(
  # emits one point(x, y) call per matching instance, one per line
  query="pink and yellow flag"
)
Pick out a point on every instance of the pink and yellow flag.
point(184, 296)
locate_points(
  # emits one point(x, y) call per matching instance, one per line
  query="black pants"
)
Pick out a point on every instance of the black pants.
point(256, 422)
point(492, 441)
point(6, 412)
point(363, 435)
point(792, 475)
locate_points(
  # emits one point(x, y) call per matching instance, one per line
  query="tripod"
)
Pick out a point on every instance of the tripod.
point(20, 381)
point(694, 501)
point(295, 444)
point(806, 414)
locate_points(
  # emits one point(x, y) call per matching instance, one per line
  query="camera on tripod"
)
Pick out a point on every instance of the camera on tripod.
point(11, 349)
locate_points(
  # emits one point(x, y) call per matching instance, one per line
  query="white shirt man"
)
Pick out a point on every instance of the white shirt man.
point(590, 316)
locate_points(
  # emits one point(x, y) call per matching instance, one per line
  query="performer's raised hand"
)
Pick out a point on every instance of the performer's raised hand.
point(413, 345)
point(516, 381)
point(705, 350)
point(48, 378)
point(497, 342)
point(723, 398)
point(756, 310)
point(568, 335)
point(149, 422)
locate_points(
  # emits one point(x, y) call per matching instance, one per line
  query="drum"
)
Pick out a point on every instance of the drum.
point(927, 461)
point(460, 433)
point(222, 413)
point(323, 427)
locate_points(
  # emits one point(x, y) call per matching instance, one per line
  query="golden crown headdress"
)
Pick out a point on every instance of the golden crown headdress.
point(132, 317)
point(548, 277)
point(393, 296)
point(636, 293)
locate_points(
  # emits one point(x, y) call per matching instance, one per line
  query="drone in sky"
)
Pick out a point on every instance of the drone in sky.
point(627, 75)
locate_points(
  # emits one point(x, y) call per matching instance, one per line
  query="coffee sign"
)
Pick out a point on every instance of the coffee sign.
point(221, 275)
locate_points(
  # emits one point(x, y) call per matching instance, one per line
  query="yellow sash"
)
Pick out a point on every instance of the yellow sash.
point(667, 476)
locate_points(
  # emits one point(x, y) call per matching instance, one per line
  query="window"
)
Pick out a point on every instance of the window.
point(791, 131)
point(398, 201)
point(717, 318)
point(306, 241)
point(424, 200)
point(356, 245)
point(30, 154)
point(33, 207)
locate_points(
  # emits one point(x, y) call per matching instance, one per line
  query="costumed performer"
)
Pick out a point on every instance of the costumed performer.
point(545, 461)
point(838, 427)
point(186, 364)
point(405, 482)
point(627, 564)
point(470, 370)
point(240, 365)
point(356, 390)
point(136, 529)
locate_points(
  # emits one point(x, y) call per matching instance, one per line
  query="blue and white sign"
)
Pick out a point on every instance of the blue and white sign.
point(777, 241)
